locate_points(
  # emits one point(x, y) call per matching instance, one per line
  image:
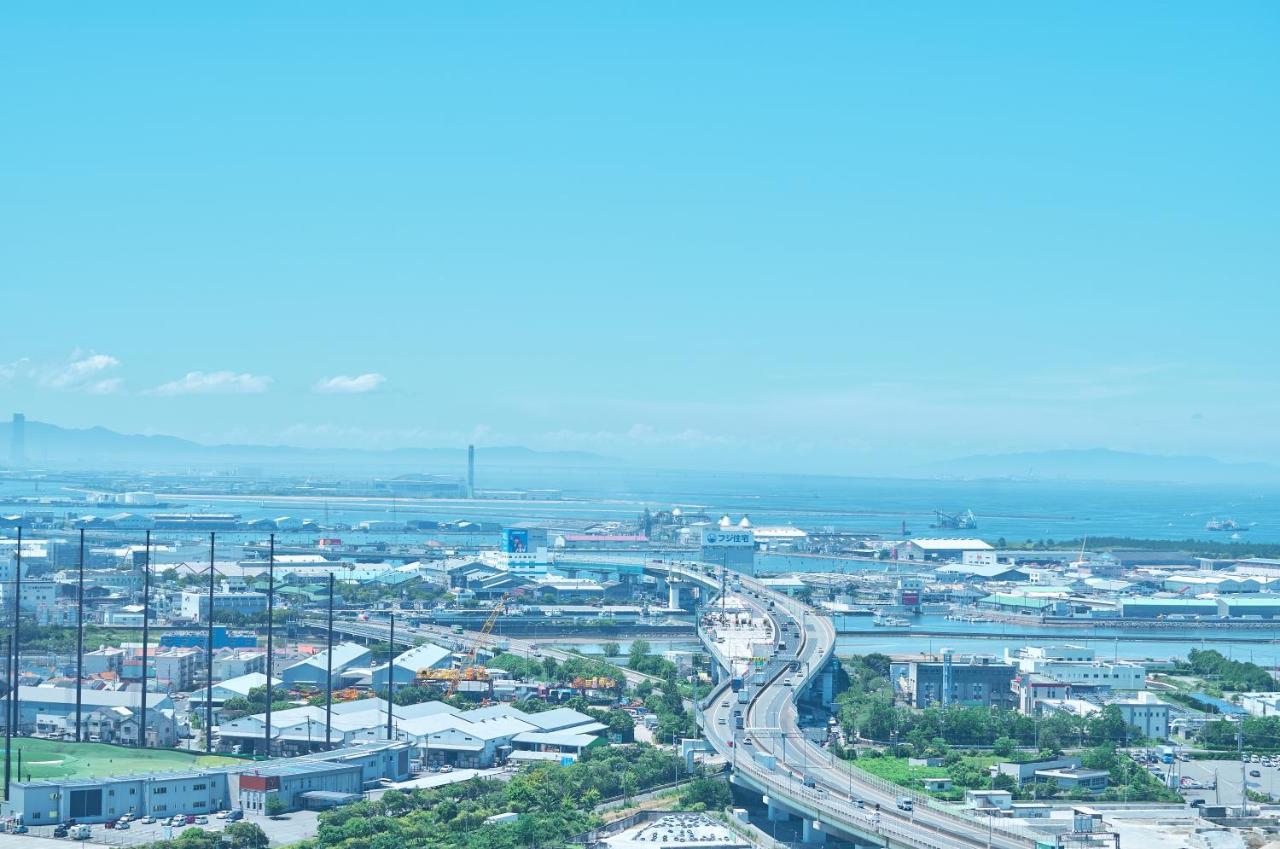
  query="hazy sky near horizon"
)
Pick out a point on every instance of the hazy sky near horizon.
point(833, 237)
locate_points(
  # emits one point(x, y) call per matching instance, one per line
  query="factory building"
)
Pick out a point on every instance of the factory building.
point(315, 781)
point(1164, 608)
point(314, 670)
point(408, 664)
point(1252, 606)
point(970, 681)
point(437, 733)
point(939, 549)
point(733, 548)
point(1120, 675)
point(1214, 583)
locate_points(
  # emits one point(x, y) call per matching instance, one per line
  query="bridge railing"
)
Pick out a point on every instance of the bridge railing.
point(936, 806)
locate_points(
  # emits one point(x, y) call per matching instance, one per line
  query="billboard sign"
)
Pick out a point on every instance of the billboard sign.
point(735, 538)
point(515, 540)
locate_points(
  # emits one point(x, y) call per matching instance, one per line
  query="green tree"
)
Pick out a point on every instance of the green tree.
point(706, 794)
point(611, 649)
point(636, 654)
point(245, 835)
point(274, 806)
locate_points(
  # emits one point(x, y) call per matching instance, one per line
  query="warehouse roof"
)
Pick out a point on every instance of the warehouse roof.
point(1018, 600)
point(1253, 601)
point(1169, 601)
point(948, 544)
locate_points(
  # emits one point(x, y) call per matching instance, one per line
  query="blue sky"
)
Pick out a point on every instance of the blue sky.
point(837, 237)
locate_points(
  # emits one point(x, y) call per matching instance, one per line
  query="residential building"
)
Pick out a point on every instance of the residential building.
point(233, 663)
point(195, 605)
point(109, 716)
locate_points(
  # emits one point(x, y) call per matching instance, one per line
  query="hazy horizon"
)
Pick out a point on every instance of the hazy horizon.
point(841, 240)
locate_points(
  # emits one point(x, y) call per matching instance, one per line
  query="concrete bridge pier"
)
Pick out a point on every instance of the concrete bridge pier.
point(813, 832)
point(827, 682)
point(777, 813)
point(680, 595)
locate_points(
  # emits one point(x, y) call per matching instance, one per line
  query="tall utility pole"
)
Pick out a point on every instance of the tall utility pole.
point(8, 715)
point(80, 641)
point(328, 691)
point(146, 634)
point(271, 612)
point(15, 662)
point(391, 660)
point(208, 664)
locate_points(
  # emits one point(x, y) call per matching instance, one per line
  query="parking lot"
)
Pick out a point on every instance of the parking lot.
point(288, 828)
point(1227, 776)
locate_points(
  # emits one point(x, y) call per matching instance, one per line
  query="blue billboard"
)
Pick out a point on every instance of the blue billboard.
point(515, 540)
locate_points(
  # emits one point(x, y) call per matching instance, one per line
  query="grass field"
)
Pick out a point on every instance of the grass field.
point(53, 759)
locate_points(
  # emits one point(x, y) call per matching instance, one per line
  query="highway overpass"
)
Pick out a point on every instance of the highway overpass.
point(797, 777)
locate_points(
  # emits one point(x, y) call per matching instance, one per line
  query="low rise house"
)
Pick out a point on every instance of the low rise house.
point(107, 716)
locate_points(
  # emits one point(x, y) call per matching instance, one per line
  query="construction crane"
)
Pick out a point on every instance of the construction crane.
point(469, 671)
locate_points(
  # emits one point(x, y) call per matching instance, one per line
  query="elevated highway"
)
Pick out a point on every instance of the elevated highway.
point(773, 755)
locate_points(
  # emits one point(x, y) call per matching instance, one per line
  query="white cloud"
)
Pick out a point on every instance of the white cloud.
point(350, 385)
point(8, 371)
point(214, 383)
point(83, 373)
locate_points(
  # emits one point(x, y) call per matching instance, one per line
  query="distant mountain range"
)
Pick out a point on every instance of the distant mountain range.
point(1105, 465)
point(98, 448)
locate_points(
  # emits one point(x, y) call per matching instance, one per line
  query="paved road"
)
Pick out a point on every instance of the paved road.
point(772, 730)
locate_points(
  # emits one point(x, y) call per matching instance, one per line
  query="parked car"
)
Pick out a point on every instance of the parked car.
point(202, 820)
point(235, 815)
point(148, 820)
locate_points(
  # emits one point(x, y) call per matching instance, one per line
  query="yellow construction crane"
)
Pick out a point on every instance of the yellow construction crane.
point(469, 670)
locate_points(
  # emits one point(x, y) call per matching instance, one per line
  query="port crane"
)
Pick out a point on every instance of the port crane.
point(955, 521)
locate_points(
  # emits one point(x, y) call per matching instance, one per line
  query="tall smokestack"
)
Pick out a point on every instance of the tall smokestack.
point(18, 441)
point(471, 471)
